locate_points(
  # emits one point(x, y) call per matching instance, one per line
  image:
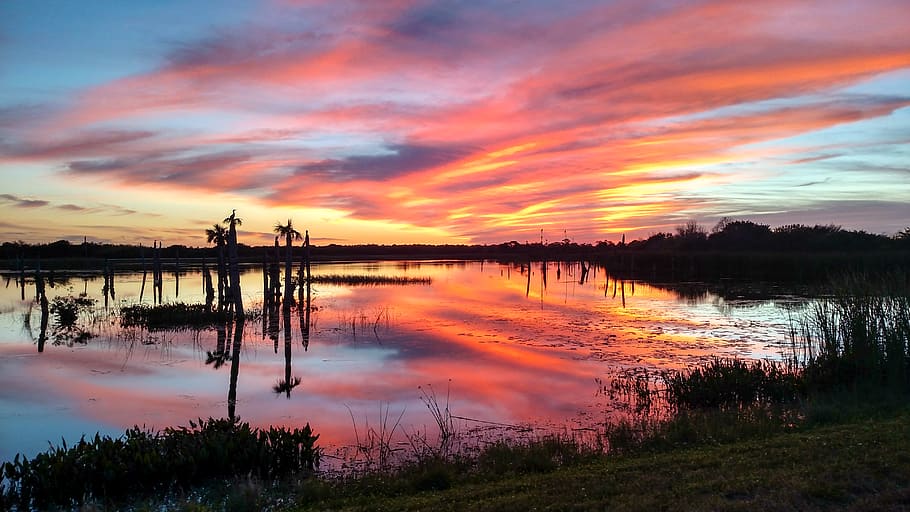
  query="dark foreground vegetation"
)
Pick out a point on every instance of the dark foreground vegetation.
point(143, 462)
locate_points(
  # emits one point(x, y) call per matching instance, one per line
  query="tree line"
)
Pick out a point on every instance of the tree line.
point(726, 236)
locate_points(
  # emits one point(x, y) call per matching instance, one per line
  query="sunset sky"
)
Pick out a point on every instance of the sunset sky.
point(449, 122)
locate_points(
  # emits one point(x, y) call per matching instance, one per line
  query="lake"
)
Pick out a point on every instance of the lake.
point(501, 344)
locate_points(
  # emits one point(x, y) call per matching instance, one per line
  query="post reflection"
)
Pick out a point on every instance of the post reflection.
point(235, 366)
point(288, 383)
point(42, 336)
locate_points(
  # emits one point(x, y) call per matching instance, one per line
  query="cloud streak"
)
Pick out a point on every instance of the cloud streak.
point(18, 202)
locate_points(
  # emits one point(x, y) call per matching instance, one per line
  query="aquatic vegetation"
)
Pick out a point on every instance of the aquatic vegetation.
point(367, 280)
point(66, 309)
point(859, 336)
point(142, 462)
point(168, 316)
point(724, 383)
point(67, 328)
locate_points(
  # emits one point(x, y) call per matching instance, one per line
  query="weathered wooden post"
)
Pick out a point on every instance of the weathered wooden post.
point(234, 265)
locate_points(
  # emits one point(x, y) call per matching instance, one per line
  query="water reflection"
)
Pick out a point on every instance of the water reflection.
point(519, 343)
point(288, 383)
point(235, 367)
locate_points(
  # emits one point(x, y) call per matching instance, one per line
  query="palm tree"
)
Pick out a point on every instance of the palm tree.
point(218, 235)
point(289, 234)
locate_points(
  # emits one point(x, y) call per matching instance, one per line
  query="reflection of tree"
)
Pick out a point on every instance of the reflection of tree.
point(219, 356)
point(289, 234)
point(235, 367)
point(288, 383)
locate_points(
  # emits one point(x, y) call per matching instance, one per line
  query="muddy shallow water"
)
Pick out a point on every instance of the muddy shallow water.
point(508, 344)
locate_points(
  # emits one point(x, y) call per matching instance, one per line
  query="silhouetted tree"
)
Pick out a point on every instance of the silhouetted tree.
point(691, 236)
point(903, 237)
point(289, 234)
point(739, 235)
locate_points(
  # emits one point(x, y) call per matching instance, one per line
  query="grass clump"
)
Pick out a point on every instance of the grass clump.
point(369, 280)
point(169, 316)
point(541, 455)
point(142, 462)
point(732, 383)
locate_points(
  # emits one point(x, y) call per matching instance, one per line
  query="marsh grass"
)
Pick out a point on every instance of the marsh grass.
point(369, 280)
point(375, 449)
point(732, 383)
point(859, 337)
point(171, 316)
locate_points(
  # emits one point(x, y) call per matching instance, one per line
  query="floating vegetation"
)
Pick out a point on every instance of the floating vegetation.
point(368, 280)
point(67, 329)
point(66, 309)
point(170, 316)
point(142, 462)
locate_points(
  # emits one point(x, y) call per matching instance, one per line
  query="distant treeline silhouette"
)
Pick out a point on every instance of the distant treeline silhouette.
point(736, 236)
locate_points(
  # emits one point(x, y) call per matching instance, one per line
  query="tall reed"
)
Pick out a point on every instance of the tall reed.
point(859, 336)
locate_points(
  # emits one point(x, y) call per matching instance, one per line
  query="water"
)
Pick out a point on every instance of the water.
point(504, 346)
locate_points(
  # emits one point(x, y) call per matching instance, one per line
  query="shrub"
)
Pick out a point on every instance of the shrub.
point(143, 461)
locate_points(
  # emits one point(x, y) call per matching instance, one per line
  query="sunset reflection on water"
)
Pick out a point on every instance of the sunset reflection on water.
point(504, 343)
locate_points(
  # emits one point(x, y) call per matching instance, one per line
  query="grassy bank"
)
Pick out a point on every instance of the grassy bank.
point(858, 464)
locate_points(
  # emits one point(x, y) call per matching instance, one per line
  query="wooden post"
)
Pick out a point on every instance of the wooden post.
point(144, 271)
point(235, 267)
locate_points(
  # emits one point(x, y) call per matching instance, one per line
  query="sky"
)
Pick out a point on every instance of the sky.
point(418, 121)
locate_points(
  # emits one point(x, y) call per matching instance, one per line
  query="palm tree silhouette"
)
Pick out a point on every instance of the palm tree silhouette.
point(289, 234)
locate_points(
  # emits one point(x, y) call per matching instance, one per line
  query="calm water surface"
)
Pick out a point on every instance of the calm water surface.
point(505, 346)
